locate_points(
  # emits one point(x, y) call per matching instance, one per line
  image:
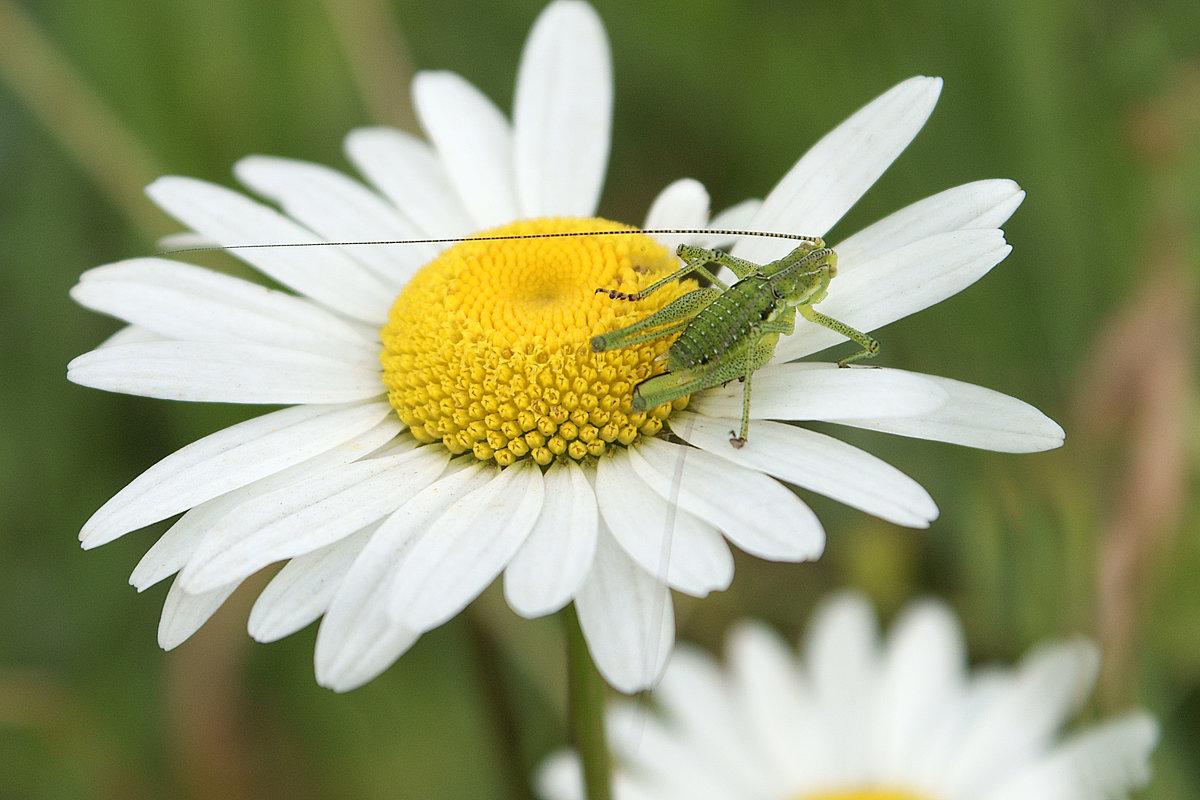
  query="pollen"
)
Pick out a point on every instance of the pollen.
point(487, 349)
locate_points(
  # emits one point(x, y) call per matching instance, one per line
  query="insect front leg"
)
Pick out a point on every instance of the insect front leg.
point(870, 347)
point(690, 265)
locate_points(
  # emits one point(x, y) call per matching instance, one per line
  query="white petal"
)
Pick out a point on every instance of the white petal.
point(1110, 760)
point(173, 549)
point(225, 372)
point(819, 463)
point(184, 240)
point(408, 171)
point(922, 677)
point(891, 285)
point(662, 763)
point(824, 392)
point(753, 510)
point(357, 640)
point(941, 753)
point(179, 301)
point(696, 697)
point(663, 539)
point(1062, 675)
point(168, 555)
point(560, 777)
point(550, 566)
point(976, 417)
point(738, 216)
point(184, 613)
point(562, 113)
point(475, 143)
point(226, 460)
point(841, 652)
point(388, 645)
point(308, 514)
point(982, 204)
point(338, 209)
point(683, 204)
point(1115, 757)
point(230, 218)
point(838, 170)
point(768, 688)
point(466, 548)
point(1021, 718)
point(627, 619)
point(130, 334)
point(300, 592)
point(842, 638)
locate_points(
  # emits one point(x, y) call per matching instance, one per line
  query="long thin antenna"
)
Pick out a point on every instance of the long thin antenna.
point(500, 237)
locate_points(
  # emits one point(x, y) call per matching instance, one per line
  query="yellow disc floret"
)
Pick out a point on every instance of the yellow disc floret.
point(488, 347)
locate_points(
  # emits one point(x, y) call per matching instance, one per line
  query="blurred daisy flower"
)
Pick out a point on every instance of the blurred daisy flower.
point(854, 718)
point(447, 420)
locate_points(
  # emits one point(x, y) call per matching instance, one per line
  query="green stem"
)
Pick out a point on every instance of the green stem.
point(500, 709)
point(585, 703)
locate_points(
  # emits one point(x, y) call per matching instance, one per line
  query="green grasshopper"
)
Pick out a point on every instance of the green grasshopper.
point(728, 332)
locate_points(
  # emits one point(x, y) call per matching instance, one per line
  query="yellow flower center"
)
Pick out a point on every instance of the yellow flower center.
point(488, 347)
point(864, 794)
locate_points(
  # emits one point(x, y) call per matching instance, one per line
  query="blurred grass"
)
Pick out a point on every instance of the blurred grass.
point(1093, 107)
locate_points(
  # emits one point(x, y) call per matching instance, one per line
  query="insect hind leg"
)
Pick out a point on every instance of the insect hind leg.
point(668, 319)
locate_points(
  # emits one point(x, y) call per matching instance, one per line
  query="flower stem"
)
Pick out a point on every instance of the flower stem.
point(585, 703)
point(498, 703)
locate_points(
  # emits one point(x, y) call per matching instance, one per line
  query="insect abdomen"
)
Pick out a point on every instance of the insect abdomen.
point(724, 325)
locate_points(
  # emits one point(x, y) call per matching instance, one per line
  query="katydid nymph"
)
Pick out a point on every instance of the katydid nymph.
point(728, 332)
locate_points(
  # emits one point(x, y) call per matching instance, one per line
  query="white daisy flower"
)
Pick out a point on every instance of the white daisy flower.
point(493, 440)
point(854, 718)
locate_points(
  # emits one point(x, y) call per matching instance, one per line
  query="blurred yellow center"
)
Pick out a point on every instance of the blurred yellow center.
point(488, 347)
point(864, 794)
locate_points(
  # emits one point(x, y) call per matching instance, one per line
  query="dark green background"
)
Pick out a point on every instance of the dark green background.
point(1093, 107)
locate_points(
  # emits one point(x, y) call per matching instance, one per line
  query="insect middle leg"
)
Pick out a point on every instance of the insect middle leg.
point(700, 257)
point(690, 265)
point(695, 259)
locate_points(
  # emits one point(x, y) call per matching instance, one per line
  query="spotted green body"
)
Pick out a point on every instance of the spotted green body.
point(728, 332)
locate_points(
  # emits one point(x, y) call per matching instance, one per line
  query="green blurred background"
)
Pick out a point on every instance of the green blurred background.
point(1093, 107)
